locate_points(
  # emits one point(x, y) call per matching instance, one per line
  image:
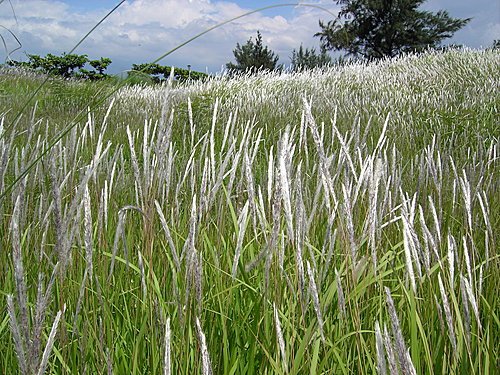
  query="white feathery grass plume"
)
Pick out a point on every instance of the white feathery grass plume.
point(451, 257)
point(467, 259)
point(205, 357)
point(50, 342)
point(347, 209)
point(300, 269)
point(261, 212)
point(212, 139)
point(166, 356)
point(300, 209)
point(314, 291)
point(276, 212)
point(340, 295)
point(222, 173)
point(465, 306)
point(42, 301)
point(437, 225)
point(405, 364)
point(428, 238)
point(345, 150)
point(191, 124)
point(447, 313)
point(329, 255)
point(146, 151)
point(143, 278)
point(454, 195)
point(168, 235)
point(382, 139)
point(373, 198)
point(135, 167)
point(17, 337)
point(109, 363)
point(407, 241)
point(19, 276)
point(485, 209)
point(279, 334)
point(381, 365)
point(256, 145)
point(285, 186)
point(391, 359)
point(472, 299)
point(466, 192)
point(325, 173)
point(412, 371)
point(250, 189)
point(408, 215)
point(203, 202)
point(87, 225)
point(270, 175)
point(236, 159)
point(480, 287)
point(198, 279)
point(226, 131)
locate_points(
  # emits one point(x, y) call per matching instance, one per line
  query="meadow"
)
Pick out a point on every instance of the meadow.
point(336, 221)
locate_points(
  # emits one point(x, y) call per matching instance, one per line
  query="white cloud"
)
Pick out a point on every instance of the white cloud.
point(142, 30)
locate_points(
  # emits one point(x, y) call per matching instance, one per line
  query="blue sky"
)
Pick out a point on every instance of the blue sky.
point(142, 30)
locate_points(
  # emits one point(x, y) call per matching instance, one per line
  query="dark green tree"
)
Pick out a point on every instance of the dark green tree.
point(253, 56)
point(375, 29)
point(309, 59)
point(66, 65)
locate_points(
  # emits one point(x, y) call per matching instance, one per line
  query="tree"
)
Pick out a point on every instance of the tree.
point(160, 73)
point(308, 59)
point(375, 29)
point(253, 57)
point(66, 65)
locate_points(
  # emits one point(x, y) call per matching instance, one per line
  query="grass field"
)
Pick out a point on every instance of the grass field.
point(342, 221)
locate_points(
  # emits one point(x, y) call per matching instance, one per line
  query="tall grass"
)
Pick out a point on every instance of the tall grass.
point(329, 221)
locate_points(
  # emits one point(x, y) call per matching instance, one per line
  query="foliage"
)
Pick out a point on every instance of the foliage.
point(66, 65)
point(375, 29)
point(160, 73)
point(308, 59)
point(253, 56)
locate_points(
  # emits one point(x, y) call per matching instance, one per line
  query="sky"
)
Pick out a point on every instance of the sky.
point(140, 31)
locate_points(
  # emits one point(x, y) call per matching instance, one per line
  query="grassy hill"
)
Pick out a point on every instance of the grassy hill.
point(340, 221)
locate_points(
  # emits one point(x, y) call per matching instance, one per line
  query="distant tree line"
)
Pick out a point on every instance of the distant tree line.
point(66, 66)
point(78, 66)
point(159, 73)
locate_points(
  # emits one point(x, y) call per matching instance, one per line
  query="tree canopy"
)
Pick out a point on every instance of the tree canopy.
point(385, 28)
point(309, 59)
point(253, 56)
point(66, 65)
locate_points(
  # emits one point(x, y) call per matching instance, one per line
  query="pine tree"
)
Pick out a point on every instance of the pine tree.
point(385, 28)
point(253, 56)
point(309, 59)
